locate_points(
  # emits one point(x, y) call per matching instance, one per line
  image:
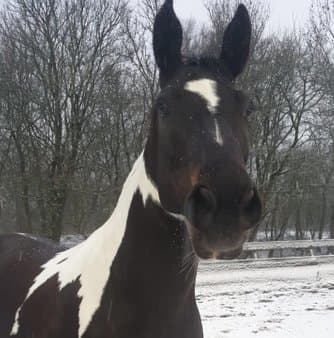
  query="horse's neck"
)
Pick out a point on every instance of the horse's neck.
point(148, 227)
point(153, 273)
point(140, 224)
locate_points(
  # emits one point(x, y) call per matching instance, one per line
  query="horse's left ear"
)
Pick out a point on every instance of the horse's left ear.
point(236, 42)
point(167, 41)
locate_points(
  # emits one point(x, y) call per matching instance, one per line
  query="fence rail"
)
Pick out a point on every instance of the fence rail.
point(257, 262)
point(303, 244)
point(255, 247)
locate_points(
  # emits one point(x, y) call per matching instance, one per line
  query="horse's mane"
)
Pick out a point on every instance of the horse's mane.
point(209, 63)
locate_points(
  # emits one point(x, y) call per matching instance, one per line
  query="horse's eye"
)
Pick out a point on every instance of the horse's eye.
point(162, 108)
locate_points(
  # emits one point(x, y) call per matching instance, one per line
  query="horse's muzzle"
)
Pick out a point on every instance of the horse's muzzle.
point(217, 230)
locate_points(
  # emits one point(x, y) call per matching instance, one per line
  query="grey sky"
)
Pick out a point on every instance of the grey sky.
point(284, 13)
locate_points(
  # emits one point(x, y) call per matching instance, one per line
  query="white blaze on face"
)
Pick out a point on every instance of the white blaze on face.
point(207, 89)
point(90, 261)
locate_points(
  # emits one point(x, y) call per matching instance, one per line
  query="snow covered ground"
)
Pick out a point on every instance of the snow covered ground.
point(267, 300)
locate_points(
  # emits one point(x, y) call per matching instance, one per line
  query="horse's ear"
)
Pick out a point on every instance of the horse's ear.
point(167, 41)
point(236, 42)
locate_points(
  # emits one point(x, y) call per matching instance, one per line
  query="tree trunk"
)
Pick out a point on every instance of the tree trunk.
point(299, 230)
point(57, 202)
point(323, 213)
point(331, 230)
point(26, 225)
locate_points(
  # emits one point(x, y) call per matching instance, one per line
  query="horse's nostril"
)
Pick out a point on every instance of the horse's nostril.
point(252, 207)
point(200, 207)
point(205, 197)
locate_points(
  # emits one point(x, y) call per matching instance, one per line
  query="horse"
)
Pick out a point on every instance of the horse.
point(187, 197)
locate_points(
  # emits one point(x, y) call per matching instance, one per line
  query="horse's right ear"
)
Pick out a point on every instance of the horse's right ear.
point(167, 41)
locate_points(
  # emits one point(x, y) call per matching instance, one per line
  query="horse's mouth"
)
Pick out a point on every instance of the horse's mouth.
point(220, 251)
point(228, 255)
point(220, 255)
point(221, 246)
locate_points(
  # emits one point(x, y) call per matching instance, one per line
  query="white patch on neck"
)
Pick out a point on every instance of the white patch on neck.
point(91, 260)
point(207, 89)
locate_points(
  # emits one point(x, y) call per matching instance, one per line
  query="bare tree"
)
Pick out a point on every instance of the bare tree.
point(67, 43)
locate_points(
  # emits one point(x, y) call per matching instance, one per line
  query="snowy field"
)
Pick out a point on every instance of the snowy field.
point(267, 300)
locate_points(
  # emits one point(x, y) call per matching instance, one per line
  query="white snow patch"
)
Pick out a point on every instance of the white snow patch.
point(295, 302)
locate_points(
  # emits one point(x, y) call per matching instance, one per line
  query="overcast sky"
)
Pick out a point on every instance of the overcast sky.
point(284, 13)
